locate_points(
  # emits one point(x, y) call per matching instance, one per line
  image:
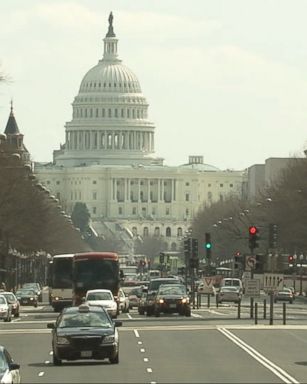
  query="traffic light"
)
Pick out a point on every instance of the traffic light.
point(162, 258)
point(208, 245)
point(194, 252)
point(187, 246)
point(290, 259)
point(194, 263)
point(253, 237)
point(273, 232)
point(238, 260)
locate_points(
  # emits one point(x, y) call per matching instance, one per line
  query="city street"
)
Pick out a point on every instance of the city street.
point(210, 347)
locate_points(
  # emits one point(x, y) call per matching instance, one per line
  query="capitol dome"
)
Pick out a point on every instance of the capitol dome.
point(109, 76)
point(110, 124)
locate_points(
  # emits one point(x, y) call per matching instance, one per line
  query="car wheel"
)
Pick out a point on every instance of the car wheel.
point(291, 302)
point(188, 313)
point(35, 305)
point(157, 313)
point(141, 311)
point(16, 314)
point(55, 360)
point(114, 360)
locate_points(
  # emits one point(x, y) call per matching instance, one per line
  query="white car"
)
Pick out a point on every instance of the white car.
point(9, 371)
point(104, 298)
point(5, 309)
point(123, 301)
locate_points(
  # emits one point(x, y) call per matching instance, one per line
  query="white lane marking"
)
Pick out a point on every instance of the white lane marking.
point(129, 316)
point(142, 350)
point(195, 315)
point(149, 370)
point(47, 362)
point(140, 342)
point(283, 375)
point(136, 333)
point(51, 353)
point(41, 374)
point(146, 359)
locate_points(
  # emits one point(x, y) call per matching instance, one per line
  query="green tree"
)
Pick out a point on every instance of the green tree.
point(81, 216)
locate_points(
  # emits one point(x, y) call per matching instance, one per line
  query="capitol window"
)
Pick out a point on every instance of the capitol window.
point(230, 185)
point(109, 112)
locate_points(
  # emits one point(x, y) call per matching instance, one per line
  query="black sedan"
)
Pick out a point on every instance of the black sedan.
point(27, 297)
point(172, 298)
point(85, 332)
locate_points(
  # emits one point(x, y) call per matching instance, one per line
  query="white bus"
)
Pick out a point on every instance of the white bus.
point(60, 281)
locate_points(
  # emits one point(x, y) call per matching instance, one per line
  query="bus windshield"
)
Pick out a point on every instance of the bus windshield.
point(62, 272)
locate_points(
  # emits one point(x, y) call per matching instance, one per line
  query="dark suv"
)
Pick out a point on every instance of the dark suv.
point(172, 298)
point(152, 289)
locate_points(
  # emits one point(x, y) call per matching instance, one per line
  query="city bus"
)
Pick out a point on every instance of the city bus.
point(60, 281)
point(94, 270)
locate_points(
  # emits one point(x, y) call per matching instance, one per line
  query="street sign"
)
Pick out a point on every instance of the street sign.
point(252, 287)
point(250, 262)
point(272, 281)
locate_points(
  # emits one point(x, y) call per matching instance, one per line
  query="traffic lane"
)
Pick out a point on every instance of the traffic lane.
point(285, 347)
point(200, 356)
point(34, 353)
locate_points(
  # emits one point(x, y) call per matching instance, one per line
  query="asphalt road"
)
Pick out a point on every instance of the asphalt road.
point(213, 346)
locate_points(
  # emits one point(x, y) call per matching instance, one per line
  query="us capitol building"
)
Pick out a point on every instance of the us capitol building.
point(108, 162)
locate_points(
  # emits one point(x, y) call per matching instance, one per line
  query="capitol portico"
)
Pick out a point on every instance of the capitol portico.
point(108, 161)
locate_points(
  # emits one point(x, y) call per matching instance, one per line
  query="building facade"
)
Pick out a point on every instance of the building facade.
point(108, 161)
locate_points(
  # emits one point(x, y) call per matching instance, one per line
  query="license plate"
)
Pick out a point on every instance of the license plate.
point(172, 305)
point(86, 353)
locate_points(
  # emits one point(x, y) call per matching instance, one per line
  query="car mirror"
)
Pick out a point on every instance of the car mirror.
point(50, 325)
point(13, 366)
point(118, 323)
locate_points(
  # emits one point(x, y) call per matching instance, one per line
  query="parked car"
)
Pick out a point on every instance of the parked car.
point(36, 287)
point(206, 289)
point(9, 370)
point(284, 294)
point(123, 301)
point(5, 309)
point(172, 298)
point(27, 297)
point(229, 294)
point(152, 290)
point(103, 298)
point(12, 300)
point(85, 332)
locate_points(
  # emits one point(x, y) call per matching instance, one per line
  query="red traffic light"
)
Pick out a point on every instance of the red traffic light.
point(252, 230)
point(290, 259)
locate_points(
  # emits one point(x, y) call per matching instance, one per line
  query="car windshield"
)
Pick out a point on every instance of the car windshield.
point(9, 296)
point(88, 319)
point(30, 285)
point(2, 300)
point(99, 296)
point(3, 363)
point(172, 290)
point(154, 285)
point(26, 292)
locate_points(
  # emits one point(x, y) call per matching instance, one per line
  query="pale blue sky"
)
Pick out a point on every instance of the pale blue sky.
point(224, 79)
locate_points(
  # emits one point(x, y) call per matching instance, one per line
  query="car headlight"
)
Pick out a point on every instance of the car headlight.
point(62, 340)
point(160, 301)
point(2, 310)
point(185, 300)
point(108, 339)
point(31, 298)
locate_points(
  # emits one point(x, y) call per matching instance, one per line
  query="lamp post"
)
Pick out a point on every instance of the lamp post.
point(301, 274)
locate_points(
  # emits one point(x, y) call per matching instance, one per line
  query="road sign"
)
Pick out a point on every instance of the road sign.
point(272, 281)
point(252, 287)
point(250, 262)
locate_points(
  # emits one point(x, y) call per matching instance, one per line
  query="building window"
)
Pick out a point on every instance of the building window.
point(221, 185)
point(94, 182)
point(209, 185)
point(134, 231)
point(167, 211)
point(145, 232)
point(134, 210)
point(187, 197)
point(58, 195)
point(230, 185)
point(209, 195)
point(187, 212)
point(157, 231)
point(168, 232)
point(187, 184)
point(94, 195)
point(47, 182)
point(120, 210)
point(179, 232)
point(94, 210)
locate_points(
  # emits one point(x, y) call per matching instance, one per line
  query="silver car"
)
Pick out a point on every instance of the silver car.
point(284, 294)
point(9, 371)
point(5, 309)
point(229, 294)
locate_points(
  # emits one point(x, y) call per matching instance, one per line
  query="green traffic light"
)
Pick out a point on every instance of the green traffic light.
point(208, 245)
